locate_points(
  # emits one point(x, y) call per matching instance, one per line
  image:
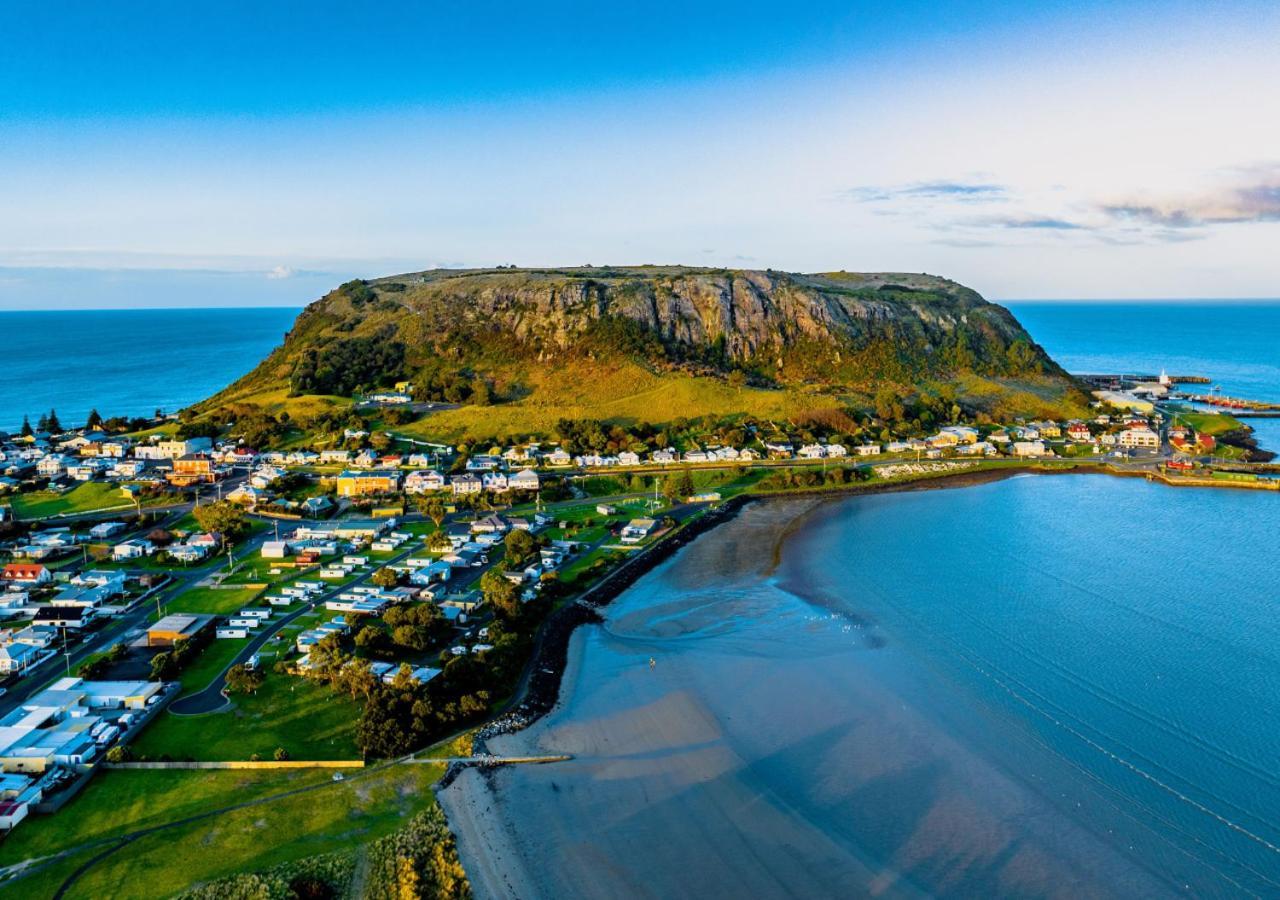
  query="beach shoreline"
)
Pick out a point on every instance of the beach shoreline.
point(661, 752)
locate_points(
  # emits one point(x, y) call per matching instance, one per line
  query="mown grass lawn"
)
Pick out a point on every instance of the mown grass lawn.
point(333, 816)
point(117, 802)
point(309, 721)
point(212, 660)
point(1210, 423)
point(213, 601)
point(86, 497)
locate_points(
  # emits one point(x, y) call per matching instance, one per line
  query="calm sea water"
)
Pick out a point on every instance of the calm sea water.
point(1053, 686)
point(127, 362)
point(1235, 343)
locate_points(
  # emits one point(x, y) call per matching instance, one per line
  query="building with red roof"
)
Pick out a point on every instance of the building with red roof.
point(26, 573)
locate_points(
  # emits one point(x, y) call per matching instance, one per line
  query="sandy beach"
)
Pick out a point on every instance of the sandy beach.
point(776, 748)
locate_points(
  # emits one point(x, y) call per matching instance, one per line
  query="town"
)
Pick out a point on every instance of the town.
point(156, 580)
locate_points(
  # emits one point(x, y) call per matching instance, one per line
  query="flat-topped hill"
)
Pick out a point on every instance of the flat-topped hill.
point(518, 347)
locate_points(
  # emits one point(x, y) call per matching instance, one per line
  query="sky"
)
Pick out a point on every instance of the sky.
point(161, 154)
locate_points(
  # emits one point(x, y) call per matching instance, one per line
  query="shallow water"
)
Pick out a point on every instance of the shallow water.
point(1046, 686)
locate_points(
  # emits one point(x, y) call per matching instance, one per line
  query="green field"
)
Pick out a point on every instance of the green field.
point(212, 601)
point(211, 661)
point(1210, 423)
point(331, 816)
point(309, 721)
point(87, 497)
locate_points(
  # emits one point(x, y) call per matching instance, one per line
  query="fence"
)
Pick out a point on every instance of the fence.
point(245, 764)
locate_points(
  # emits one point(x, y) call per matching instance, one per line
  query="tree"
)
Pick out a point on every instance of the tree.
point(42, 425)
point(432, 508)
point(327, 658)
point(373, 640)
point(520, 545)
point(55, 427)
point(161, 666)
point(119, 753)
point(386, 578)
point(280, 755)
point(410, 636)
point(243, 680)
point(94, 420)
point(357, 678)
point(678, 487)
point(224, 518)
point(501, 593)
point(27, 430)
point(380, 732)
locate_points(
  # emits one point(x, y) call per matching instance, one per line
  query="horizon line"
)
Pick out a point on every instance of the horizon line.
point(1001, 300)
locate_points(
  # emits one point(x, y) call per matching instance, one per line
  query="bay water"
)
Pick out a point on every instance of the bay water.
point(1047, 686)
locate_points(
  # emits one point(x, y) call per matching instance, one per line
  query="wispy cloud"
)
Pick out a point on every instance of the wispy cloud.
point(1036, 223)
point(962, 191)
point(1255, 197)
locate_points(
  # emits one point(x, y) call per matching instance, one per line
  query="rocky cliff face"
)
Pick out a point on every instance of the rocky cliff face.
point(834, 329)
point(755, 315)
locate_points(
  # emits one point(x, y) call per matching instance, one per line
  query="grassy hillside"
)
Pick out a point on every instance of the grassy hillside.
point(519, 349)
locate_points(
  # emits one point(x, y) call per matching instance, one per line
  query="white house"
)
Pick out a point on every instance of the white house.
point(276, 549)
point(524, 480)
point(466, 484)
point(1140, 437)
point(132, 549)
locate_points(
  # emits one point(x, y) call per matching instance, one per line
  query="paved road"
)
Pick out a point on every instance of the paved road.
point(136, 618)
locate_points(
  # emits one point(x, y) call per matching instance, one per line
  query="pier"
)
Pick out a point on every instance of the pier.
point(1237, 405)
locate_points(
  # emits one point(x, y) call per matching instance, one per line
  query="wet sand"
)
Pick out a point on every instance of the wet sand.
point(779, 747)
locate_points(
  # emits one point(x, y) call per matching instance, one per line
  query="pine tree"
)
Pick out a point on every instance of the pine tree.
point(95, 420)
point(55, 427)
point(26, 427)
point(42, 426)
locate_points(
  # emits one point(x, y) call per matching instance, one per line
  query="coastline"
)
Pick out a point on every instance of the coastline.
point(540, 690)
point(655, 750)
point(489, 850)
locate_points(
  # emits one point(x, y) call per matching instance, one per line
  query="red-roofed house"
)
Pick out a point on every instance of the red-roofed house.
point(26, 573)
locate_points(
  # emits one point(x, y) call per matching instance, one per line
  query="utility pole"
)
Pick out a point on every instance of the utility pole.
point(66, 650)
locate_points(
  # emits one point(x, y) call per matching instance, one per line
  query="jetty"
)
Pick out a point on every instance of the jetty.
point(1237, 405)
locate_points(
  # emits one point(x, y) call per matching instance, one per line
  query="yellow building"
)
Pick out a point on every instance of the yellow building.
point(365, 484)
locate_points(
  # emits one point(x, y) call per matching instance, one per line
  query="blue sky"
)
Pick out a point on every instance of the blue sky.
point(165, 154)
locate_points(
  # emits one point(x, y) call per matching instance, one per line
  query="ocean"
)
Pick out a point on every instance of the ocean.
point(1047, 686)
point(127, 362)
point(1234, 343)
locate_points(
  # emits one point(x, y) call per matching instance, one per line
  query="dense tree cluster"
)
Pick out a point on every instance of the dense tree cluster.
point(223, 517)
point(347, 365)
point(452, 386)
point(243, 680)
